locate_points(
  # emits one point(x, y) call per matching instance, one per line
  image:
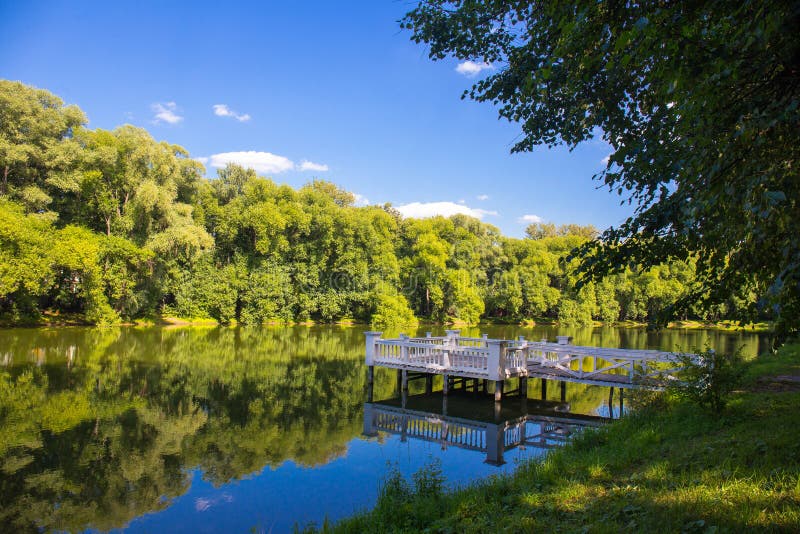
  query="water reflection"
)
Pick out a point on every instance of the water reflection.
point(155, 429)
point(477, 424)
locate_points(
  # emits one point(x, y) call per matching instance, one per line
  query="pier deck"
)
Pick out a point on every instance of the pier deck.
point(501, 359)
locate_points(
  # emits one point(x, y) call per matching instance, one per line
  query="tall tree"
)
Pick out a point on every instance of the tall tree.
point(36, 147)
point(700, 104)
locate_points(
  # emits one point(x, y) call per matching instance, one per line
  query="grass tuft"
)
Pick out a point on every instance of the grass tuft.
point(669, 467)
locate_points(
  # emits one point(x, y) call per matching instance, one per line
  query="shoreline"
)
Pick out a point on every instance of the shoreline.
point(170, 321)
point(668, 467)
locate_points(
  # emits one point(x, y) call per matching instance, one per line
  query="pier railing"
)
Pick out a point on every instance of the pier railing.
point(499, 359)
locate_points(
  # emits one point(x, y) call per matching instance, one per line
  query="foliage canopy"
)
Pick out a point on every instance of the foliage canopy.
point(700, 104)
point(115, 225)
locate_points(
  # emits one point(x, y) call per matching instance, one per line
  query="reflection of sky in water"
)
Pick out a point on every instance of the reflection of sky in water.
point(228, 372)
point(272, 500)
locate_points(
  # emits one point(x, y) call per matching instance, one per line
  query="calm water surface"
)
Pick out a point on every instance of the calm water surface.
point(238, 429)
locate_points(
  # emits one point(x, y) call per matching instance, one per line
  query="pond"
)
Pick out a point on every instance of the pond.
point(252, 429)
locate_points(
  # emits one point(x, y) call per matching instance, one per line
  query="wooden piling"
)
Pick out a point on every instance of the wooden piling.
point(611, 402)
point(498, 390)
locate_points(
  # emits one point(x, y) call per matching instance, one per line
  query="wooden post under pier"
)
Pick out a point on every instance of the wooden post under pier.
point(611, 402)
point(498, 390)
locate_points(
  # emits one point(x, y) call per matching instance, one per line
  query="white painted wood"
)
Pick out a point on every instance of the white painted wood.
point(499, 359)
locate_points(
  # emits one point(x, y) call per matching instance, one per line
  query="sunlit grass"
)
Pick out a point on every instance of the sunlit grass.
point(673, 468)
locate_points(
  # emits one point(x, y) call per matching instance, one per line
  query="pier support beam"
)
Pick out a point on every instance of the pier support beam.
point(404, 379)
point(496, 366)
point(371, 338)
point(445, 385)
point(544, 389)
point(563, 391)
point(611, 402)
point(523, 387)
point(498, 390)
point(428, 384)
point(621, 401)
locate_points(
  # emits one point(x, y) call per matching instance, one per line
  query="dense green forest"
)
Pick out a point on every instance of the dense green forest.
point(114, 226)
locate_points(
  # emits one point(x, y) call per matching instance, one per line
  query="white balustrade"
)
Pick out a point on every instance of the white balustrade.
point(480, 357)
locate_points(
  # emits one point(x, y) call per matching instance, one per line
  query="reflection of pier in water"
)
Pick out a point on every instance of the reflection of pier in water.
point(468, 426)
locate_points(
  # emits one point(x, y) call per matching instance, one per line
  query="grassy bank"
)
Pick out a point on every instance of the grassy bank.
point(668, 468)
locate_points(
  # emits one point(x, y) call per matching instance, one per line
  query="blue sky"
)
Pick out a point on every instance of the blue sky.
point(334, 84)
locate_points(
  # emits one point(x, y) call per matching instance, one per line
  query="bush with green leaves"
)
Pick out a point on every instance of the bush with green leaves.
point(709, 377)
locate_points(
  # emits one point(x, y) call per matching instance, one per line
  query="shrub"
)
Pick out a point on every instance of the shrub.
point(709, 377)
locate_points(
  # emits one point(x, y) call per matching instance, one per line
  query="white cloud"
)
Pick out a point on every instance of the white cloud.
point(471, 68)
point(420, 210)
point(528, 219)
point(604, 161)
point(264, 162)
point(306, 165)
point(202, 160)
point(166, 112)
point(222, 110)
point(361, 200)
point(482, 197)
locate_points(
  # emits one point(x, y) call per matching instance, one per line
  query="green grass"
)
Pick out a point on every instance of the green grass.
point(668, 468)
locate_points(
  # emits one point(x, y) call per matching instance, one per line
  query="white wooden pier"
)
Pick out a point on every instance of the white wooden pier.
point(499, 359)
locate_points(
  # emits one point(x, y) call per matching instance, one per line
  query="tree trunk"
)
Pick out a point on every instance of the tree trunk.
point(108, 226)
point(428, 300)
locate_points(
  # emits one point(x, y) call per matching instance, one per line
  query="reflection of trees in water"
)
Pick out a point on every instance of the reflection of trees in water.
point(100, 426)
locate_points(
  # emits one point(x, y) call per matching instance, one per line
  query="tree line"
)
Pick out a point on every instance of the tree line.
point(116, 226)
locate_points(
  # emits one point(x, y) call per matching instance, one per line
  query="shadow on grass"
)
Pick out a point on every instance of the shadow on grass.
point(670, 468)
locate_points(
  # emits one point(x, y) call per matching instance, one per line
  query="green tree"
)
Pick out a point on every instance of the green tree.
point(36, 144)
point(700, 103)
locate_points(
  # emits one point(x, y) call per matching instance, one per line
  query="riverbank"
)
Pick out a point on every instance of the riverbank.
point(671, 467)
point(54, 319)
